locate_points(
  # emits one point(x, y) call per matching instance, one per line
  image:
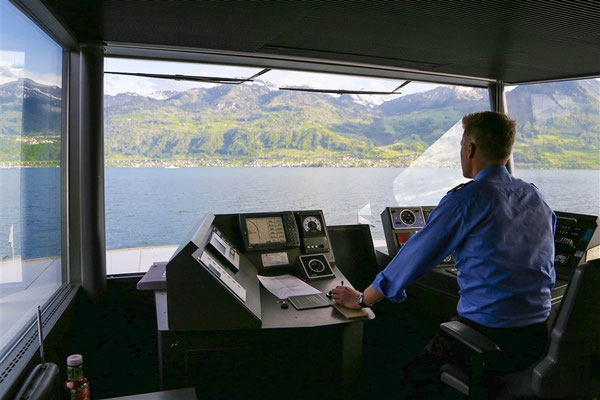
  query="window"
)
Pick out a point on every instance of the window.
point(557, 146)
point(30, 173)
point(175, 150)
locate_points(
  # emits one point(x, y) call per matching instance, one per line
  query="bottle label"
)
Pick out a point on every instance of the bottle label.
point(75, 372)
point(81, 393)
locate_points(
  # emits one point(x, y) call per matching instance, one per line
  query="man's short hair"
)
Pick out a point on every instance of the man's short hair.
point(492, 132)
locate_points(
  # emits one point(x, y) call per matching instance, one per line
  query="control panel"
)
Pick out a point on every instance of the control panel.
point(223, 259)
point(401, 223)
point(576, 240)
point(224, 249)
point(276, 241)
point(313, 231)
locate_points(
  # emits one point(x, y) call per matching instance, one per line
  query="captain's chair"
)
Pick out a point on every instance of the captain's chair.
point(570, 366)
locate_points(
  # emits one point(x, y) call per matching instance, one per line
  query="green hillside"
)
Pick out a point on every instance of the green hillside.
point(558, 126)
point(557, 130)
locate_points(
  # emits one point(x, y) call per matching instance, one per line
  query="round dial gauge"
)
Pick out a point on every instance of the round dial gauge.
point(316, 265)
point(407, 217)
point(312, 224)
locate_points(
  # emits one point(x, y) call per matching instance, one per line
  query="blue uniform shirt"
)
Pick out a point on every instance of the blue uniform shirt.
point(502, 233)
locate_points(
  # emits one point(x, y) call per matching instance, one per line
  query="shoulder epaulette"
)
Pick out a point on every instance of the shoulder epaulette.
point(457, 188)
point(532, 184)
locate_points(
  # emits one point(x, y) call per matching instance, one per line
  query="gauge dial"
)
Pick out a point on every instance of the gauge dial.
point(407, 217)
point(316, 265)
point(312, 224)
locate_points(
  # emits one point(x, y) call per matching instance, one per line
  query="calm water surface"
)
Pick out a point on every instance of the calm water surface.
point(157, 206)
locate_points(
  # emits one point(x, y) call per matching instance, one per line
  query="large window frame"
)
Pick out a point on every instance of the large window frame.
point(135, 258)
point(22, 350)
point(523, 168)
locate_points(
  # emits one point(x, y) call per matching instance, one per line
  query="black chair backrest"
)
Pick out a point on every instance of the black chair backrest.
point(581, 320)
point(571, 365)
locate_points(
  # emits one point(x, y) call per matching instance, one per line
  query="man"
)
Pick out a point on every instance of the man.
point(502, 234)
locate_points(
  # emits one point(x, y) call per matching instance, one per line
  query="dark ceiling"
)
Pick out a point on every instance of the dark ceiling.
point(512, 41)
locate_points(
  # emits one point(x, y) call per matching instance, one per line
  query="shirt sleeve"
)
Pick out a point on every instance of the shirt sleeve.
point(444, 231)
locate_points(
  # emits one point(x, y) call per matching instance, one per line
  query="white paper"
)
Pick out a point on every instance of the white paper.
point(284, 286)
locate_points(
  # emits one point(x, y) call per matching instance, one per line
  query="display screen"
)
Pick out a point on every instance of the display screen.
point(219, 246)
point(265, 230)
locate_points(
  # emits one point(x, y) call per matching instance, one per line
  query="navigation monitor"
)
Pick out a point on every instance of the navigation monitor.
point(269, 231)
point(265, 230)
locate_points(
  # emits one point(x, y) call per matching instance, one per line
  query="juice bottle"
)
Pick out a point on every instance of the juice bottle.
point(77, 387)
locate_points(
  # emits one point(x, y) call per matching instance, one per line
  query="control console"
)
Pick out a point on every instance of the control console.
point(276, 241)
point(401, 223)
point(576, 241)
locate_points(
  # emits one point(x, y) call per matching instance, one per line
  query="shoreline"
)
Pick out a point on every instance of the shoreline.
point(362, 164)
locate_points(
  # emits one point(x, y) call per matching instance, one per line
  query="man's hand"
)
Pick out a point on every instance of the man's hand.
point(346, 296)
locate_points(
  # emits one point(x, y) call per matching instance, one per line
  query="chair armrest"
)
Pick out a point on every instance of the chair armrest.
point(455, 377)
point(468, 336)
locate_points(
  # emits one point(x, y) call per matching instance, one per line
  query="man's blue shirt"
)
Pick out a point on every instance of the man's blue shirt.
point(502, 233)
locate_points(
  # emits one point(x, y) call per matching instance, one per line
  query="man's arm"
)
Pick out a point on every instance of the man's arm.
point(444, 231)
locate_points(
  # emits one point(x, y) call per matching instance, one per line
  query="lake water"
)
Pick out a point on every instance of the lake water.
point(157, 206)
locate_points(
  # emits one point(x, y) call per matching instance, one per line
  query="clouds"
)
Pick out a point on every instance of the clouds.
point(13, 67)
point(9, 74)
point(114, 84)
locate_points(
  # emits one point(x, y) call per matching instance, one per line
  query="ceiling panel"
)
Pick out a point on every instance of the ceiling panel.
point(510, 40)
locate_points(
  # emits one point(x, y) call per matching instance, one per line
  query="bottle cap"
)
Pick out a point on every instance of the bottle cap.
point(74, 359)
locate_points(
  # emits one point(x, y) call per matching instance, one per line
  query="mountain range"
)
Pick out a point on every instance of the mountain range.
point(558, 123)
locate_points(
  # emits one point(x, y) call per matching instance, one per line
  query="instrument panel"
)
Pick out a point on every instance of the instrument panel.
point(401, 223)
point(407, 217)
point(312, 231)
point(575, 238)
point(275, 241)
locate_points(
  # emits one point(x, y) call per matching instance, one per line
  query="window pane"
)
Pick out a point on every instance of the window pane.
point(177, 150)
point(30, 174)
point(557, 146)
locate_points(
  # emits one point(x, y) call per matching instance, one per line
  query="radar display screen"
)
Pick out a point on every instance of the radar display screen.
point(265, 230)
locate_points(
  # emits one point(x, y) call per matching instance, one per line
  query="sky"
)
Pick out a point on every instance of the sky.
point(114, 84)
point(25, 50)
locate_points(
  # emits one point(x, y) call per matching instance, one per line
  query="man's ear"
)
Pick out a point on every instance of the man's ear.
point(471, 149)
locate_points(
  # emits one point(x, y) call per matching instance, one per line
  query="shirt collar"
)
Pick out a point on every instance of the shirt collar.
point(494, 171)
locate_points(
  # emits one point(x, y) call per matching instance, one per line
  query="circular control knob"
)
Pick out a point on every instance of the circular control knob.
point(407, 217)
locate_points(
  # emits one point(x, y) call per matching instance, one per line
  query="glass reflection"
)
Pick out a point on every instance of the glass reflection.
point(30, 174)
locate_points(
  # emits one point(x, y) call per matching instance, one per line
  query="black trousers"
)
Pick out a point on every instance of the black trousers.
point(519, 348)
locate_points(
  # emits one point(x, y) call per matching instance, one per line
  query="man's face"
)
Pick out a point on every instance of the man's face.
point(465, 160)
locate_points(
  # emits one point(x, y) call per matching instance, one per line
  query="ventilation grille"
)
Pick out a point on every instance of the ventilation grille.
point(24, 347)
point(18, 357)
